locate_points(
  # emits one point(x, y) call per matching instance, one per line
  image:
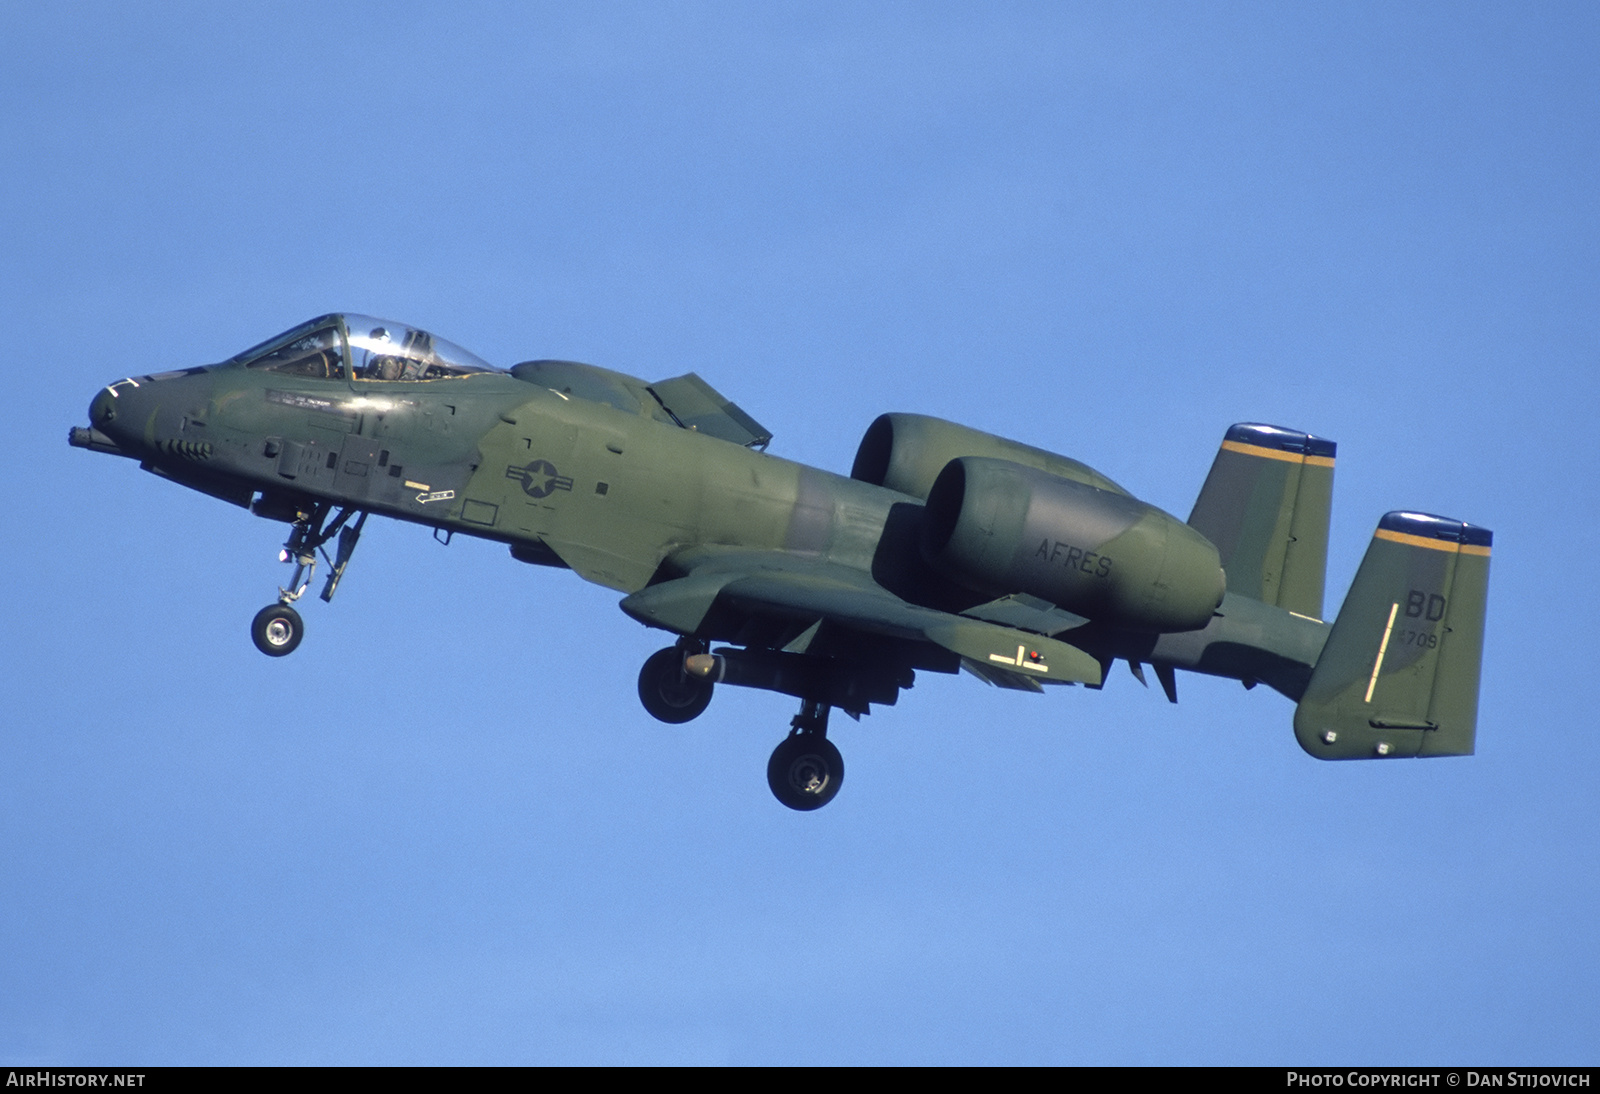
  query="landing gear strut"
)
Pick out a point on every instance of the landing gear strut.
point(668, 692)
point(806, 770)
point(277, 628)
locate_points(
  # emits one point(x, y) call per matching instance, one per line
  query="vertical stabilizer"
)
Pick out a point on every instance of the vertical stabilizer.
point(1399, 673)
point(1265, 505)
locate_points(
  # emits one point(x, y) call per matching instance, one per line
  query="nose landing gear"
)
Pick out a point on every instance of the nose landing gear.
point(278, 628)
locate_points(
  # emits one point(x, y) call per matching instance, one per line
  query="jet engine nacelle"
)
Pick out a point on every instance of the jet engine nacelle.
point(906, 452)
point(1001, 528)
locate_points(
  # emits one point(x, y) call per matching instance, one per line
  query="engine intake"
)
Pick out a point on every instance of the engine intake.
point(1001, 528)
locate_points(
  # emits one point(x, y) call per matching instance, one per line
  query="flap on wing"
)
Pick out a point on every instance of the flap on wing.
point(695, 404)
point(807, 588)
point(1027, 613)
point(998, 678)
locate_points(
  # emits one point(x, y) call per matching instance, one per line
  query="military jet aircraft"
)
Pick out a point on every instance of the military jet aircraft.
point(945, 548)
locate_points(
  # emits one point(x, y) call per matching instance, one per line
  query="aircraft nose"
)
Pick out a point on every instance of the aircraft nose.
point(102, 409)
point(105, 432)
point(123, 411)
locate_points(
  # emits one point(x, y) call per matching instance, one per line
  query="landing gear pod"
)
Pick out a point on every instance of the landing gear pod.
point(1002, 528)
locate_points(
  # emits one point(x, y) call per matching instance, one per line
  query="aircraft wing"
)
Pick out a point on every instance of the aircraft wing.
point(805, 590)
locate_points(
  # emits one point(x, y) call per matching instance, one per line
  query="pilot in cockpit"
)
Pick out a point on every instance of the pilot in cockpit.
point(380, 365)
point(387, 361)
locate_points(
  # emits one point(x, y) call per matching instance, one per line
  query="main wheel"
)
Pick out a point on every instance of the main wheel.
point(277, 630)
point(670, 694)
point(805, 771)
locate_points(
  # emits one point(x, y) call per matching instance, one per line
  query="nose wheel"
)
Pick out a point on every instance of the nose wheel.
point(277, 630)
point(806, 770)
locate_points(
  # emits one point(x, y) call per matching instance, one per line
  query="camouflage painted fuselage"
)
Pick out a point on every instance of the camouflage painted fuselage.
point(944, 548)
point(592, 475)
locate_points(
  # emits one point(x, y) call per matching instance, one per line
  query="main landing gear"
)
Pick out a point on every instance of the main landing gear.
point(805, 771)
point(668, 691)
point(278, 628)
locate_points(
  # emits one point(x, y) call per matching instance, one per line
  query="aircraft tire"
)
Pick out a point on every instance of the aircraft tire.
point(277, 630)
point(805, 771)
point(668, 693)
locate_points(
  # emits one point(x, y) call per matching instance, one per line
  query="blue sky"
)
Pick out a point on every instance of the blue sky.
point(445, 832)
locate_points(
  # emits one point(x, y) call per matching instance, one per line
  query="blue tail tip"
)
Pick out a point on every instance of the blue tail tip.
point(1281, 439)
point(1436, 527)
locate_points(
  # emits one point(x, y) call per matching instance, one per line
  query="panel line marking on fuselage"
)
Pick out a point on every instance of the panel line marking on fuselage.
point(1383, 648)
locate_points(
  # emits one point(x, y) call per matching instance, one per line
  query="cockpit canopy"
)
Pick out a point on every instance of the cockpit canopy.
point(346, 346)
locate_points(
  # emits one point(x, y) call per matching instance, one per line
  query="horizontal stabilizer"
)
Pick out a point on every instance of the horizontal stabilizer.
point(1399, 674)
